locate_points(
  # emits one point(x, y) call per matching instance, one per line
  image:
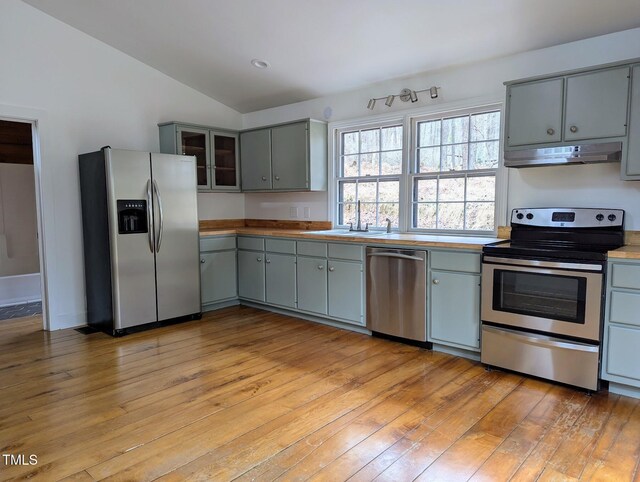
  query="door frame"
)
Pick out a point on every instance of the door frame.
point(35, 118)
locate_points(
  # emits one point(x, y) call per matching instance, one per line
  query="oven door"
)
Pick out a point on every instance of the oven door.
point(552, 297)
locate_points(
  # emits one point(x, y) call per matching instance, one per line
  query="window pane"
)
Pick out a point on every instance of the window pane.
point(426, 216)
point(389, 191)
point(451, 216)
point(368, 214)
point(350, 166)
point(391, 162)
point(455, 129)
point(370, 140)
point(485, 127)
point(348, 192)
point(429, 159)
point(480, 216)
point(454, 158)
point(350, 142)
point(369, 164)
point(347, 213)
point(367, 191)
point(451, 189)
point(484, 155)
point(391, 138)
point(429, 133)
point(426, 190)
point(481, 188)
point(391, 211)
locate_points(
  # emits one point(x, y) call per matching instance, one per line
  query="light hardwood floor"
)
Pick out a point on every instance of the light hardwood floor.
point(250, 395)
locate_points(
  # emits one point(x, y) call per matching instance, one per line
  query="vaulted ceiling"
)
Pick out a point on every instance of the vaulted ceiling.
point(321, 47)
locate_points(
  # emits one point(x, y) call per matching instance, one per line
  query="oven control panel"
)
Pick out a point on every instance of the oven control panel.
point(568, 217)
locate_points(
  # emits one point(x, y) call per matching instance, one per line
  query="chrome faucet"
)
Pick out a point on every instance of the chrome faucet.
point(358, 223)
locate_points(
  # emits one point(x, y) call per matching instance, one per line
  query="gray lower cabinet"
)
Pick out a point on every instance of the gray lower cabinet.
point(280, 272)
point(312, 285)
point(454, 299)
point(455, 309)
point(345, 289)
point(218, 270)
point(251, 275)
point(621, 354)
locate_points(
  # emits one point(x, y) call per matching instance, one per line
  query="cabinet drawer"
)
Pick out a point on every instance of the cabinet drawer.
point(622, 352)
point(286, 246)
point(625, 308)
point(309, 248)
point(345, 251)
point(625, 276)
point(469, 262)
point(256, 244)
point(217, 243)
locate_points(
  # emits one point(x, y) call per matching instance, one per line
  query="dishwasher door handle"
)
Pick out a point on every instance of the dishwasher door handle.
point(396, 255)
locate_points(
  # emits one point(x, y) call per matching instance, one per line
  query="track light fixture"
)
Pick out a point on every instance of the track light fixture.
point(405, 95)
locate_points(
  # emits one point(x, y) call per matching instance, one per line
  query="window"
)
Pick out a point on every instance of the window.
point(432, 173)
point(369, 171)
point(454, 170)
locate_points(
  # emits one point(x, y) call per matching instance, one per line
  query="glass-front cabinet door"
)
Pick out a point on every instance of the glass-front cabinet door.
point(195, 142)
point(224, 161)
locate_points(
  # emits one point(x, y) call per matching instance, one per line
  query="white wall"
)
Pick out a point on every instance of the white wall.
point(567, 186)
point(87, 95)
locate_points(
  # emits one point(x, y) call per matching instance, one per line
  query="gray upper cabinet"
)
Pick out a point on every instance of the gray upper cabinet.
point(631, 162)
point(289, 147)
point(596, 104)
point(255, 148)
point(215, 150)
point(534, 112)
point(287, 157)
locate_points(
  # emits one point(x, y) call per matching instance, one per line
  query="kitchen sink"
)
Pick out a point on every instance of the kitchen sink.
point(349, 234)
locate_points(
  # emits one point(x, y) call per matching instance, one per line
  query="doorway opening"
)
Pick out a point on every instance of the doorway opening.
point(20, 272)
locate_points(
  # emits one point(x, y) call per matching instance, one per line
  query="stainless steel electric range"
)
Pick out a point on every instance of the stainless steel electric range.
point(543, 293)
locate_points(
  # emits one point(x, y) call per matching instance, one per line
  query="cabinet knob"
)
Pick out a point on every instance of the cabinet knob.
point(264, 178)
point(277, 178)
point(551, 131)
point(573, 129)
point(202, 261)
point(436, 281)
point(267, 261)
point(331, 268)
point(258, 259)
point(320, 266)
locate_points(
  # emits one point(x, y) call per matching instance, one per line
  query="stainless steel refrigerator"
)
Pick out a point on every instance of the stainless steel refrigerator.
point(141, 241)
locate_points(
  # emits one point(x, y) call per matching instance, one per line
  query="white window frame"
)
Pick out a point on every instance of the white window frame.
point(444, 109)
point(413, 175)
point(379, 178)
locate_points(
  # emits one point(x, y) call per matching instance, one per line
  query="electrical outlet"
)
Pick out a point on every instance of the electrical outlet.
point(307, 213)
point(293, 212)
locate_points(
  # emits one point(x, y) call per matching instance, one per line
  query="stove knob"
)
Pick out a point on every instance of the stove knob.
point(529, 216)
point(599, 217)
point(519, 215)
point(611, 217)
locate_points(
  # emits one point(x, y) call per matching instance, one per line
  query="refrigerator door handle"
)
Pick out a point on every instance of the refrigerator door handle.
point(161, 228)
point(149, 216)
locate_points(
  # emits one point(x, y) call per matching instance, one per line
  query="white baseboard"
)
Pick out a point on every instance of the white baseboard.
point(19, 289)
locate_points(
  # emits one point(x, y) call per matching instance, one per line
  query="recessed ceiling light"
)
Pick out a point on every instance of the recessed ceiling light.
point(260, 64)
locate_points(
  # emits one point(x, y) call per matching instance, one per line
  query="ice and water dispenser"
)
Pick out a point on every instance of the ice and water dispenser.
point(132, 216)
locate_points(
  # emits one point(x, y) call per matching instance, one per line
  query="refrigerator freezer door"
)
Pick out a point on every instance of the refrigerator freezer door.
point(132, 259)
point(177, 236)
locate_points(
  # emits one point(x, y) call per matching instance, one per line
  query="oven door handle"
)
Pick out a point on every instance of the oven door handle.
point(541, 340)
point(542, 264)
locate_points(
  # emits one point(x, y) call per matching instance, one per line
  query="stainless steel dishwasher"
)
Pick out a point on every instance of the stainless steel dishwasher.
point(397, 293)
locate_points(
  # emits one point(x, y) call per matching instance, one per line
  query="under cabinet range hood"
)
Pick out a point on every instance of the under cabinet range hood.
point(555, 156)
